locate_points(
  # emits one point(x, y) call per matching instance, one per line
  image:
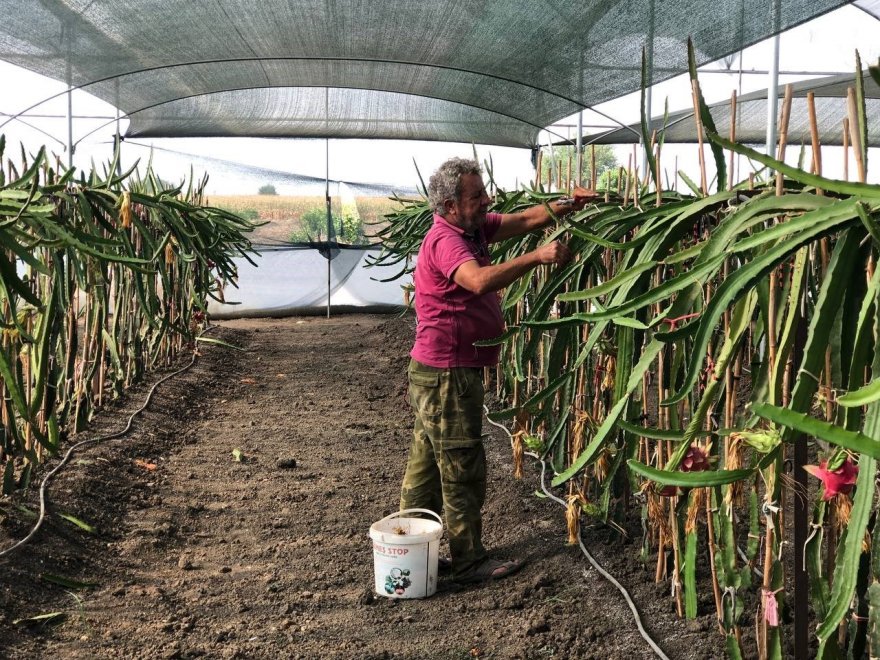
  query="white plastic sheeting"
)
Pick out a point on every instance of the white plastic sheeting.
point(293, 281)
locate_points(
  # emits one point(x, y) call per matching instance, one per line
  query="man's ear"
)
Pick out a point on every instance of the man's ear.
point(449, 206)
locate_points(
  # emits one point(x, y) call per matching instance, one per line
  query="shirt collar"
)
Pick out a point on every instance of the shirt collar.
point(439, 219)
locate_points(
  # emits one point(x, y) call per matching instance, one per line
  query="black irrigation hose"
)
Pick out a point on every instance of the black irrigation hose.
point(590, 558)
point(70, 452)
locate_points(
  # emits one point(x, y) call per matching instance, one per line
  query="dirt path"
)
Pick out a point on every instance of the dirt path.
point(195, 554)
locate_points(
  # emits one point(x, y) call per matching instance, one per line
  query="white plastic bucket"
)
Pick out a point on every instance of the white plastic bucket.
point(405, 554)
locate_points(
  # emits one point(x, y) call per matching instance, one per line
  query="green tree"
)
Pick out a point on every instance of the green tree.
point(562, 155)
point(267, 189)
point(347, 226)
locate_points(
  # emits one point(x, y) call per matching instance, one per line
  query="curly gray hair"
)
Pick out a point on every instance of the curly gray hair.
point(445, 183)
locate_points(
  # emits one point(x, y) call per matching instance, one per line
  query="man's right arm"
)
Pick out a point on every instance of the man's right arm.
point(484, 279)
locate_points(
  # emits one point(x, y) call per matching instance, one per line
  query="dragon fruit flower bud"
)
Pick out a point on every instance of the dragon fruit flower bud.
point(695, 459)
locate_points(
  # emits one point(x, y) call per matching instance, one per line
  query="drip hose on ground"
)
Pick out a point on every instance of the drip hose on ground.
point(92, 441)
point(595, 564)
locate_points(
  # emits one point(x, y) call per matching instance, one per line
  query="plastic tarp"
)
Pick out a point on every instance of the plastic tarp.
point(751, 116)
point(288, 282)
point(484, 71)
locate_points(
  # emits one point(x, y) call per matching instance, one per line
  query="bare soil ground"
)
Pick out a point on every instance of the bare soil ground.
point(195, 554)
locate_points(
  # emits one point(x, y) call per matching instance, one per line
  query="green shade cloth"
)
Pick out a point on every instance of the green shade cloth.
point(484, 71)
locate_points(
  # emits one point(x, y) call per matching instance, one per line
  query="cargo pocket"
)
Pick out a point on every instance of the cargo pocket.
point(424, 393)
point(463, 462)
point(469, 403)
point(463, 475)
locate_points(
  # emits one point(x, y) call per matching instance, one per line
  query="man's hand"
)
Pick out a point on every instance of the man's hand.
point(553, 253)
point(583, 196)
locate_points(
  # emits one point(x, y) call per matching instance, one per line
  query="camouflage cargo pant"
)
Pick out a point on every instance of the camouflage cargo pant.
point(447, 464)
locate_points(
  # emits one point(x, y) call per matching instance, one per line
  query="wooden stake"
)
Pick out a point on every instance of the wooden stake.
point(783, 136)
point(814, 136)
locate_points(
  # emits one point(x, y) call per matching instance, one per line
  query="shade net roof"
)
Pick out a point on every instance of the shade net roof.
point(751, 116)
point(485, 71)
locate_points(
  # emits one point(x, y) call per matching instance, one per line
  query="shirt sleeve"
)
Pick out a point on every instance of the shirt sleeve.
point(493, 223)
point(450, 252)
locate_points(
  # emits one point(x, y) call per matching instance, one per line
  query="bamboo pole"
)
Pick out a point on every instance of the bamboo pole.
point(783, 136)
point(814, 137)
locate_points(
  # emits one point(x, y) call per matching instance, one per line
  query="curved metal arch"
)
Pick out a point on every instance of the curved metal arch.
point(117, 76)
point(367, 89)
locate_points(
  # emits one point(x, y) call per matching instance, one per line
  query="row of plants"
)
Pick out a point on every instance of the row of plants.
point(696, 354)
point(102, 278)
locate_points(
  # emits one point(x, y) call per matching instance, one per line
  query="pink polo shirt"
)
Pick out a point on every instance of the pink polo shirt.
point(449, 317)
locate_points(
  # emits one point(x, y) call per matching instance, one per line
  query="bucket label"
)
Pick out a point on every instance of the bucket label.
point(390, 550)
point(404, 571)
point(397, 581)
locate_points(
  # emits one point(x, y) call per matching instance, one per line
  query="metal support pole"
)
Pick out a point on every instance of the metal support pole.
point(579, 145)
point(650, 66)
point(118, 138)
point(773, 84)
point(69, 126)
point(69, 77)
point(329, 223)
point(773, 99)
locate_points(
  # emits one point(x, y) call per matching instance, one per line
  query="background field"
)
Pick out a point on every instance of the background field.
point(283, 213)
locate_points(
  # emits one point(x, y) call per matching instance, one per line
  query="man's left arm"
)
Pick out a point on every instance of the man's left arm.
point(538, 217)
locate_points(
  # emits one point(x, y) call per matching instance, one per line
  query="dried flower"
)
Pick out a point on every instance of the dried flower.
point(573, 515)
point(518, 451)
point(836, 481)
point(125, 210)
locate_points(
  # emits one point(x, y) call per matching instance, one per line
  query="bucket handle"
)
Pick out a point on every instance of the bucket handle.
point(398, 514)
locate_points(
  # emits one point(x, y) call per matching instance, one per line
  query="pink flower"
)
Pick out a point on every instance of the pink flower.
point(836, 481)
point(695, 460)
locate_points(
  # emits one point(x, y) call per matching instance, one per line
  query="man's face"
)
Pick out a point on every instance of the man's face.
point(469, 212)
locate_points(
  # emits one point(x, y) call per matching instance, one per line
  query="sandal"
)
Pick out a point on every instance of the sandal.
point(490, 569)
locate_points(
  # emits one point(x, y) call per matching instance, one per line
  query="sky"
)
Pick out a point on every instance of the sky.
point(826, 44)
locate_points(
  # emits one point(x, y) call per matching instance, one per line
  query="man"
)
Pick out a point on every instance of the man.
point(457, 303)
